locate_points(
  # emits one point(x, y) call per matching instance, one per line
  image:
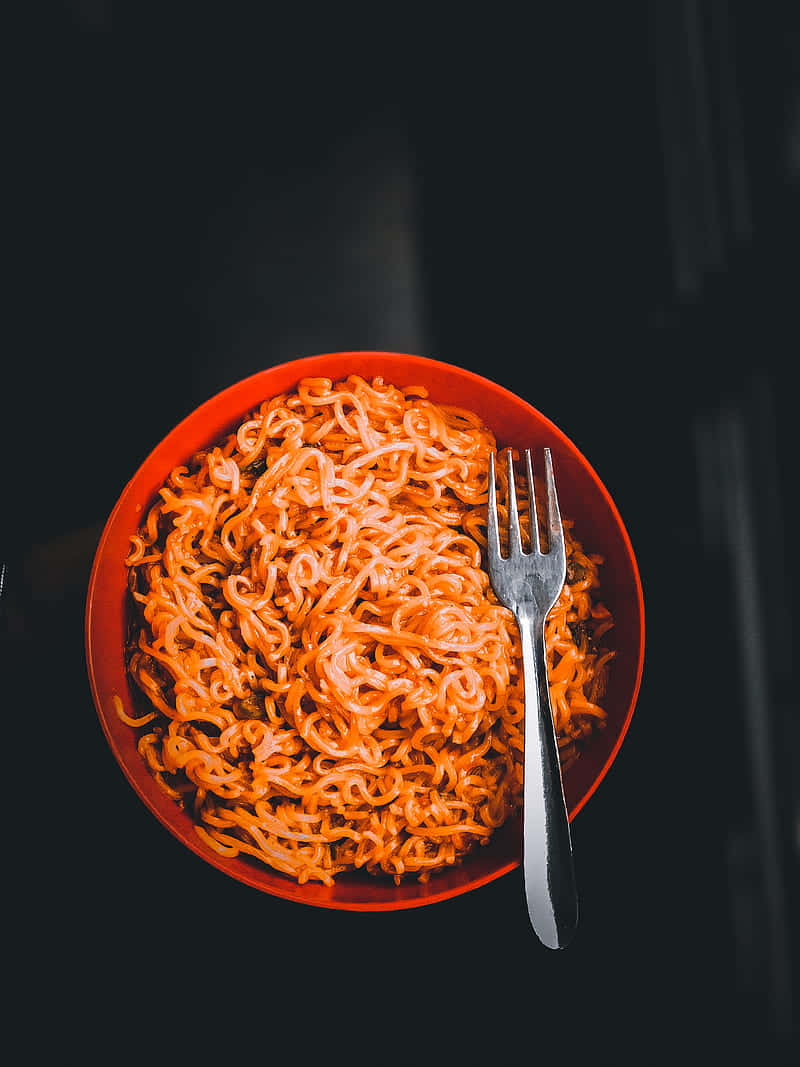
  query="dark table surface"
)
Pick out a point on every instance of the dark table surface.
point(604, 219)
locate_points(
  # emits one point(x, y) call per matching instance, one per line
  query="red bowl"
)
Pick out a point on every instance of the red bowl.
point(582, 497)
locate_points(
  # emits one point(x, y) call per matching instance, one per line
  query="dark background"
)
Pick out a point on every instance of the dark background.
point(598, 208)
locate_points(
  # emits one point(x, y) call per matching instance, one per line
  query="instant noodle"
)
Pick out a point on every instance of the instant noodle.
point(331, 682)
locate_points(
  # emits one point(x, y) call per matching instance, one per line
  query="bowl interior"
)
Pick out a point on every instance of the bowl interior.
point(514, 422)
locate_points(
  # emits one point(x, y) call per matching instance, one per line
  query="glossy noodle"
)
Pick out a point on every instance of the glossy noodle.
point(331, 683)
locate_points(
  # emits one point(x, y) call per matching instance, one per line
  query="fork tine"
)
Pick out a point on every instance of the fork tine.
point(514, 533)
point(492, 527)
point(535, 545)
point(555, 530)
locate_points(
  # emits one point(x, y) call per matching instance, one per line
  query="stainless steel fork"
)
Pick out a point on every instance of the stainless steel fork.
point(528, 583)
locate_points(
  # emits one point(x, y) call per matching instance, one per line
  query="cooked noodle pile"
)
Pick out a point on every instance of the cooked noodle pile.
point(332, 683)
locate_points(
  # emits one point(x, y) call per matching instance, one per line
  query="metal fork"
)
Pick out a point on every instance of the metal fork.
point(528, 584)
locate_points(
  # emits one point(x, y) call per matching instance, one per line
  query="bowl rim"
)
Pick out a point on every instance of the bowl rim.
point(306, 366)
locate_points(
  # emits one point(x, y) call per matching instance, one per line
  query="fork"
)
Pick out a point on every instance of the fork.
point(528, 584)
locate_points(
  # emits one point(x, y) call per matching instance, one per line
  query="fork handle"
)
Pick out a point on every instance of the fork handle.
point(548, 869)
